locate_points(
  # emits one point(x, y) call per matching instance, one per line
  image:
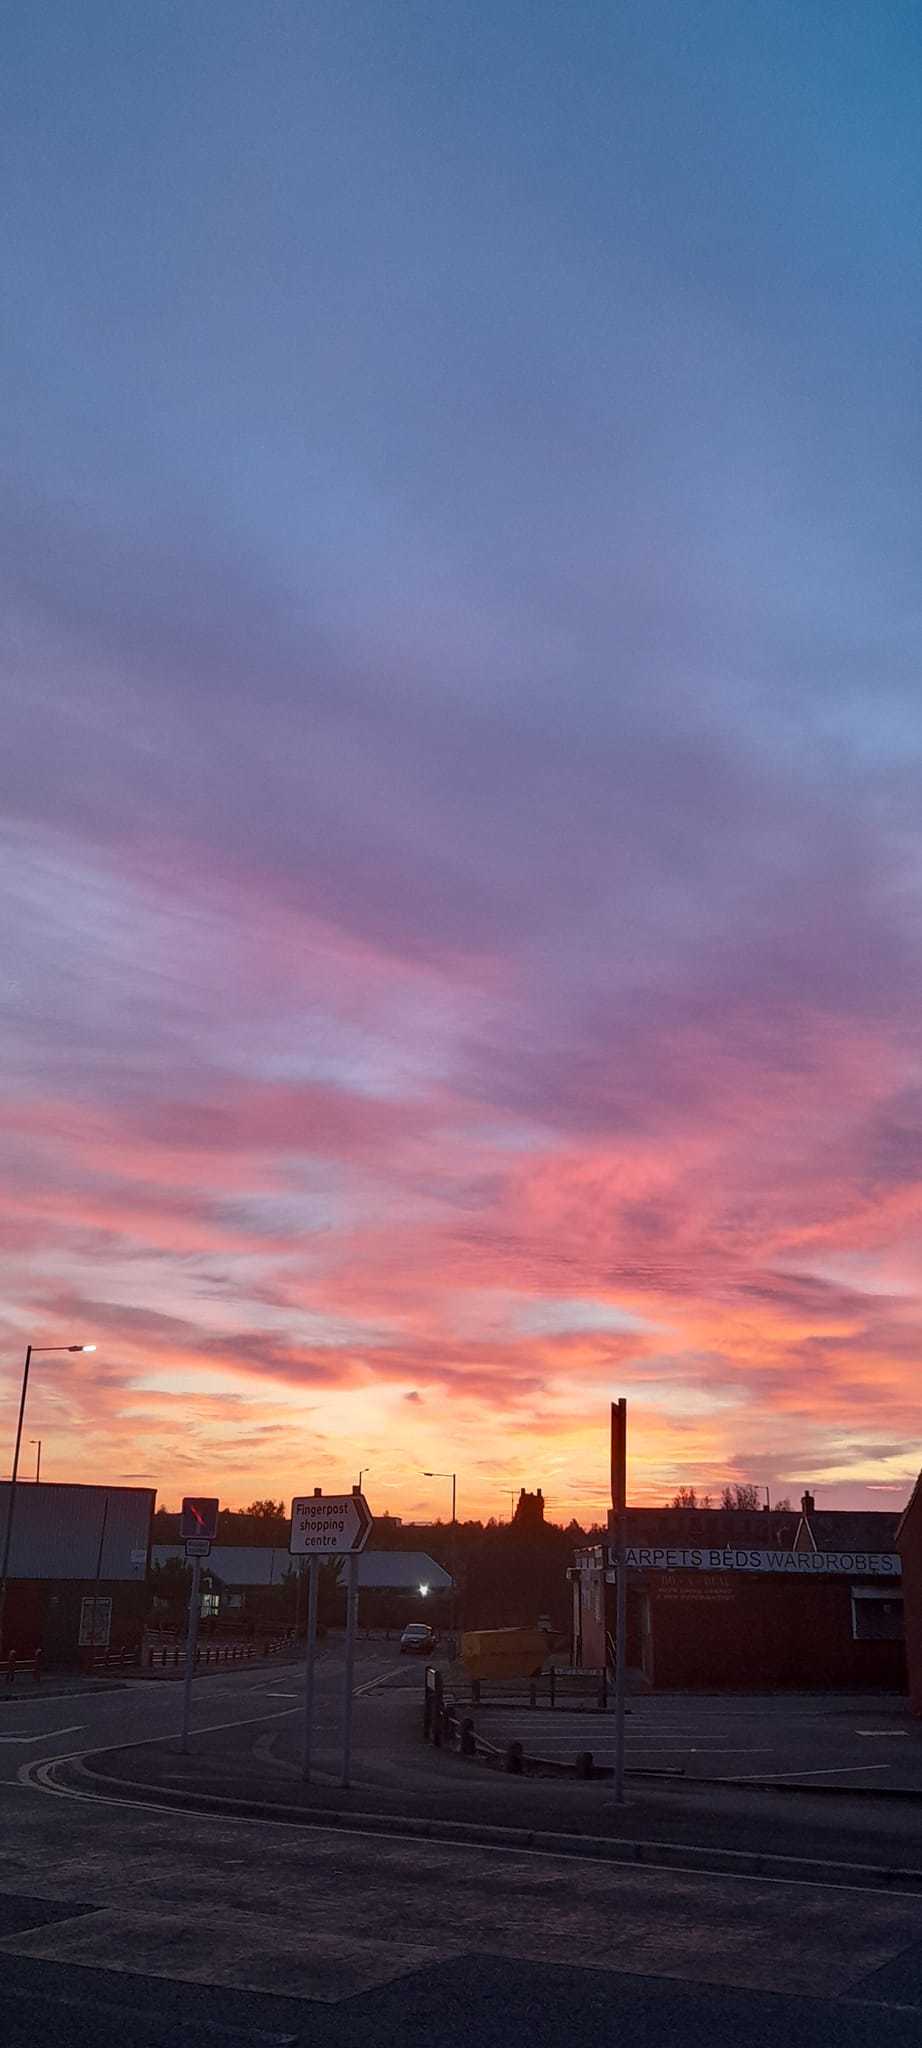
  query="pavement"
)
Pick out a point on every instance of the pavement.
point(134, 1922)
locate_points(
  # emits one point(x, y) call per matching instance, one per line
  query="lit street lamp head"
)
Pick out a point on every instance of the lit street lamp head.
point(81, 1347)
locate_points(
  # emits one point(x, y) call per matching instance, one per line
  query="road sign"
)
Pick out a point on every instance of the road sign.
point(197, 1546)
point(199, 1518)
point(329, 1525)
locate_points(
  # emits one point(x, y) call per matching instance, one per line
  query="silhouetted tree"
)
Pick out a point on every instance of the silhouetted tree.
point(745, 1497)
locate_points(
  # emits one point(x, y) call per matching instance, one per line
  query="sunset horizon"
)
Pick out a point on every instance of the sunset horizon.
point(461, 831)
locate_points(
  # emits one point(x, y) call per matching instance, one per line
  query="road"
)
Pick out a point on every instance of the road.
point(859, 1743)
point(147, 1709)
point(127, 1924)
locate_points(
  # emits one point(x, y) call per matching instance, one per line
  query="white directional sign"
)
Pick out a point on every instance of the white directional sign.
point(329, 1525)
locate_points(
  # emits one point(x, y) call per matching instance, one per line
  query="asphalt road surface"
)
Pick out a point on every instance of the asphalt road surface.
point(869, 1743)
point(129, 1924)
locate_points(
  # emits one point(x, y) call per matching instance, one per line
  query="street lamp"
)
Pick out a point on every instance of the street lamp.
point(38, 1457)
point(362, 1470)
point(454, 1545)
point(11, 1496)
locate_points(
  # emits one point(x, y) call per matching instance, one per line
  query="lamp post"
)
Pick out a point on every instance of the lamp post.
point(454, 1548)
point(36, 1440)
point(40, 1349)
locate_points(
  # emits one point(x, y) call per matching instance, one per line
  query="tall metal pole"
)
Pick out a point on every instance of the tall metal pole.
point(352, 1603)
point(11, 1496)
point(191, 1644)
point(38, 1459)
point(619, 1502)
point(313, 1572)
point(454, 1564)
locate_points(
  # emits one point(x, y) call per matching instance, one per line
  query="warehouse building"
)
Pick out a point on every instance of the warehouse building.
point(728, 1599)
point(259, 1583)
point(78, 1562)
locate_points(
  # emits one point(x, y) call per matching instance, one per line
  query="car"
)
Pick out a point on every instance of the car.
point(417, 1639)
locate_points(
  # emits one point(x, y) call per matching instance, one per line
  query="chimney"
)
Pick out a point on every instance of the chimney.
point(808, 1503)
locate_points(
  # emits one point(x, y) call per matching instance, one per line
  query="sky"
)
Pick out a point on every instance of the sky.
point(461, 862)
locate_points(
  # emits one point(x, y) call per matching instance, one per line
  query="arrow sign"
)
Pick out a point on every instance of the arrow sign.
point(329, 1525)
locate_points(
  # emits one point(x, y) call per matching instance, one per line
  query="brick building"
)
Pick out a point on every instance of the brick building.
point(724, 1598)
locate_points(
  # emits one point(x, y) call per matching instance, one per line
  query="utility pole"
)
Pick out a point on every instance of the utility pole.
point(619, 1503)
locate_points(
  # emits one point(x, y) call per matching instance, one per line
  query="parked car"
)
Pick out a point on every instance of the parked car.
point(417, 1639)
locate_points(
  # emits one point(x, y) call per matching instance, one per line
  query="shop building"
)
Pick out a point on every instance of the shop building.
point(909, 1545)
point(727, 1599)
point(78, 1563)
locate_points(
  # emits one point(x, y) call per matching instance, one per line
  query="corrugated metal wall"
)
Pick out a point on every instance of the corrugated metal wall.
point(78, 1532)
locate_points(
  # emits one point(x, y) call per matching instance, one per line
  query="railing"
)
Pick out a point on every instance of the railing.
point(550, 1688)
point(446, 1727)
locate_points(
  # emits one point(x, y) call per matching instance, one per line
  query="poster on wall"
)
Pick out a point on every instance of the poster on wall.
point(95, 1621)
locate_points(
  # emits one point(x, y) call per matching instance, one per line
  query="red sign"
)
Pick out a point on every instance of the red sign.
point(199, 1518)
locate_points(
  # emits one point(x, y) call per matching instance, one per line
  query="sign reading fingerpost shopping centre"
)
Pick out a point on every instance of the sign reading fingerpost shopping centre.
point(880, 1564)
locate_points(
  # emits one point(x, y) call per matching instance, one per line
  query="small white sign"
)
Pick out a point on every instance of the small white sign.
point(95, 1622)
point(329, 1525)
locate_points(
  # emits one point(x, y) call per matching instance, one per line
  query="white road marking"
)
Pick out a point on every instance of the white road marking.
point(371, 1683)
point(903, 1732)
point(38, 1783)
point(46, 1737)
point(830, 1771)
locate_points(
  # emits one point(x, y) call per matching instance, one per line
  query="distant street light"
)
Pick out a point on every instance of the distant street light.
point(38, 1457)
point(11, 1496)
point(454, 1547)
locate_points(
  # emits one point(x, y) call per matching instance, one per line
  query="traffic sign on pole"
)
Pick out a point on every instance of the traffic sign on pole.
point(198, 1546)
point(199, 1518)
point(329, 1525)
point(195, 1606)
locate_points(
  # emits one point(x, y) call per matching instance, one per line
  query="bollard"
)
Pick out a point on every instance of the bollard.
point(438, 1710)
point(533, 1693)
point(603, 1686)
point(150, 1660)
point(467, 1744)
point(553, 1678)
point(427, 1704)
point(475, 1692)
point(584, 1764)
point(515, 1759)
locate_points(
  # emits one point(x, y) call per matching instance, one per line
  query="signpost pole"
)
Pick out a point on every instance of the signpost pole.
point(352, 1606)
point(619, 1502)
point(191, 1643)
point(313, 1573)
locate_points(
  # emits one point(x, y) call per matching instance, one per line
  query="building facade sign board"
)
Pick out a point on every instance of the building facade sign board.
point(779, 1563)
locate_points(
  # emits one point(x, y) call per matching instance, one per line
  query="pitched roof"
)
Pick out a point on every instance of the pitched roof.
point(761, 1529)
point(683, 1528)
point(915, 1495)
point(249, 1564)
point(853, 1528)
point(403, 1571)
point(235, 1564)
